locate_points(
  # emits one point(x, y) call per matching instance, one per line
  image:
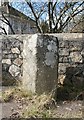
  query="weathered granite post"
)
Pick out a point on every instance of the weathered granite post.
point(40, 63)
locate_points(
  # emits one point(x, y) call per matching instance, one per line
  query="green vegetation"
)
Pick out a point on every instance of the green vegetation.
point(7, 95)
point(36, 113)
point(42, 106)
point(16, 92)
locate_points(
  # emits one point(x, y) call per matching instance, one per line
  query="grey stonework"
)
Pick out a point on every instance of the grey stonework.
point(19, 53)
point(71, 50)
point(71, 58)
point(11, 60)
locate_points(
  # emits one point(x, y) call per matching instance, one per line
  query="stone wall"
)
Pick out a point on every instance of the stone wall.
point(32, 59)
point(12, 47)
point(71, 55)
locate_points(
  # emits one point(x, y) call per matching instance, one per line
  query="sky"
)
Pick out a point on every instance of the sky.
point(43, 0)
point(23, 7)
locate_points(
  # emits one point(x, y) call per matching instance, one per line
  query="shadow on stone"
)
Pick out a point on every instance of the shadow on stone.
point(75, 77)
point(73, 86)
point(8, 80)
point(47, 64)
point(62, 94)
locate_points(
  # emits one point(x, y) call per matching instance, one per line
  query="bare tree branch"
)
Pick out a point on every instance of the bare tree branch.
point(65, 8)
point(3, 30)
point(59, 15)
point(36, 17)
point(70, 18)
point(8, 23)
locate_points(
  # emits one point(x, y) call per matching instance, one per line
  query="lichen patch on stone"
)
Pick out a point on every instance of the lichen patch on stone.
point(50, 59)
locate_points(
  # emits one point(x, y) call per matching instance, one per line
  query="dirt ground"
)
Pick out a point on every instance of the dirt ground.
point(39, 106)
point(71, 109)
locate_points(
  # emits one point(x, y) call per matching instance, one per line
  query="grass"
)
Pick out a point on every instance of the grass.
point(20, 92)
point(11, 93)
point(7, 95)
point(35, 106)
point(39, 107)
point(35, 113)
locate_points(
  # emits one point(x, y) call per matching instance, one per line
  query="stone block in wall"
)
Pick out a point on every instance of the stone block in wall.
point(15, 50)
point(18, 62)
point(21, 47)
point(14, 70)
point(63, 44)
point(10, 56)
point(75, 45)
point(76, 57)
point(61, 79)
point(63, 52)
point(62, 67)
point(64, 59)
point(40, 63)
point(7, 61)
point(7, 51)
point(60, 59)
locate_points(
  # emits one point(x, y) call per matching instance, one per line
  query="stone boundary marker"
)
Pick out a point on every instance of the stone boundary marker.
point(40, 63)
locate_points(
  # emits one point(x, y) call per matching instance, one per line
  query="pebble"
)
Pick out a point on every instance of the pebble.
point(12, 109)
point(68, 108)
